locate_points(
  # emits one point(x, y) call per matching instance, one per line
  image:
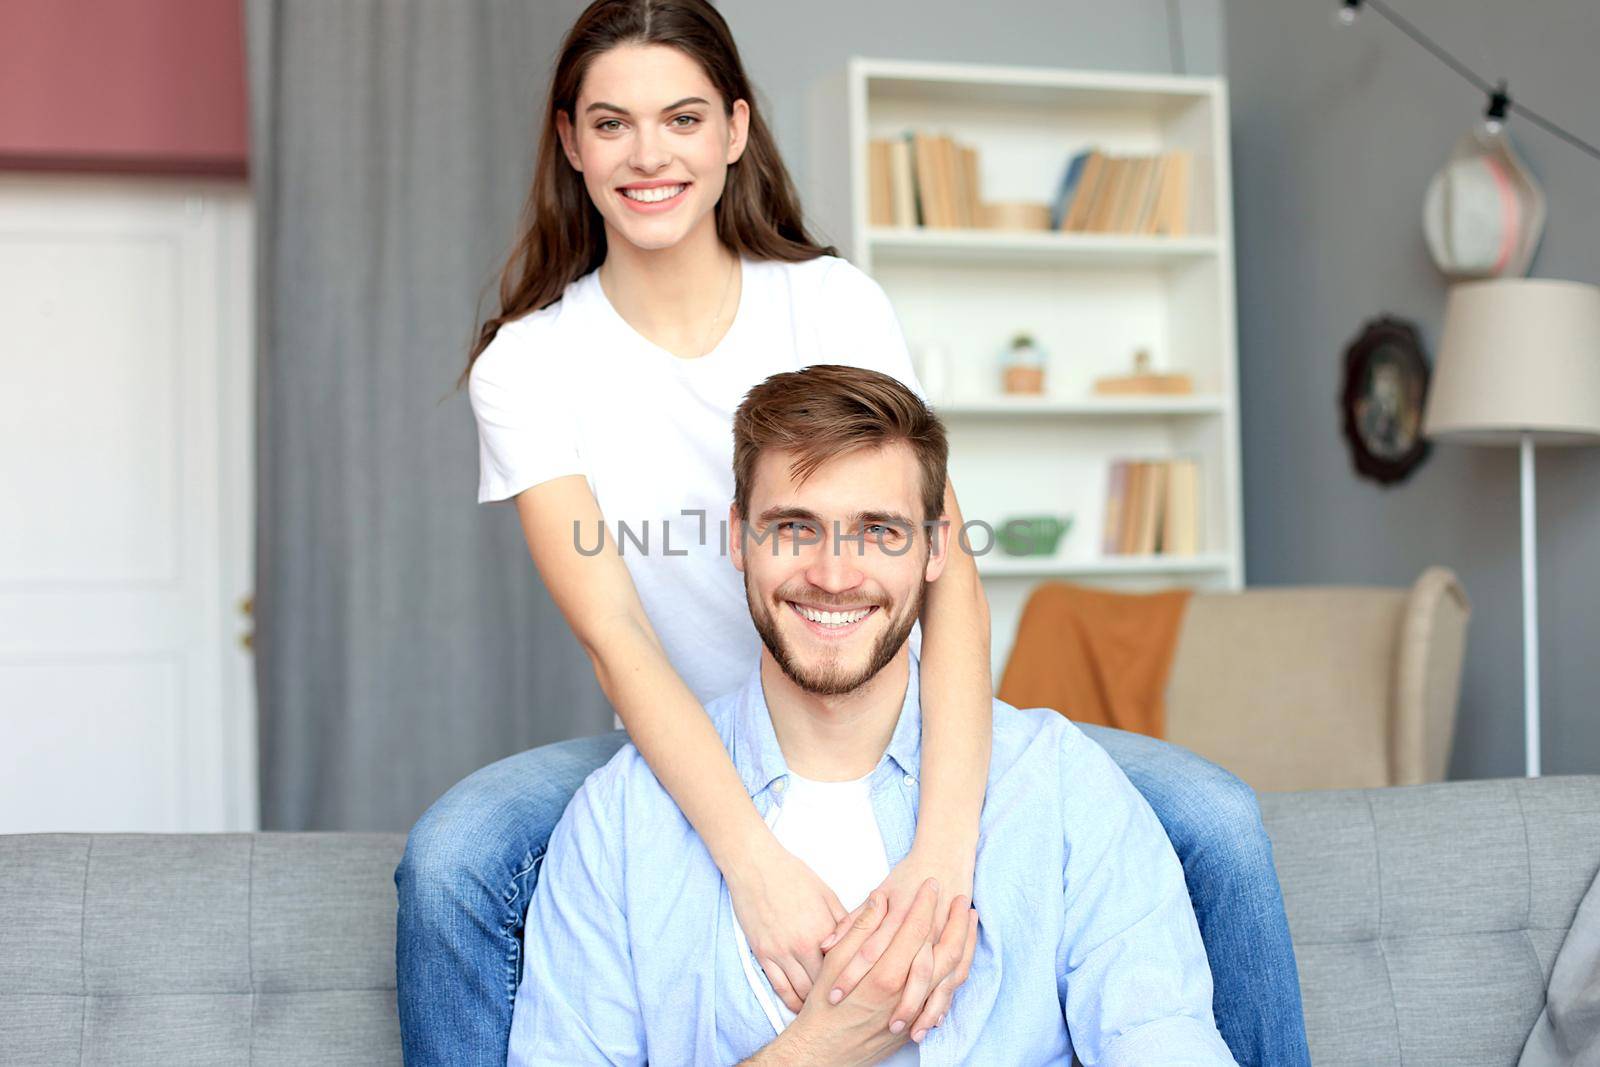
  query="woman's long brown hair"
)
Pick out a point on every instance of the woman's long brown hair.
point(563, 235)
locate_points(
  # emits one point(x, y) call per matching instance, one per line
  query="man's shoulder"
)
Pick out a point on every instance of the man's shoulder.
point(613, 796)
point(721, 710)
point(1017, 730)
point(1045, 741)
point(626, 780)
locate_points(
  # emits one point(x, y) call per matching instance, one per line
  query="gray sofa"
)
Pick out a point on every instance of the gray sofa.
point(1425, 919)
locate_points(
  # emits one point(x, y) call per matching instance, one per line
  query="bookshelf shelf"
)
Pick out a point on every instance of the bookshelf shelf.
point(1089, 299)
point(966, 248)
point(1095, 407)
point(1026, 87)
point(994, 565)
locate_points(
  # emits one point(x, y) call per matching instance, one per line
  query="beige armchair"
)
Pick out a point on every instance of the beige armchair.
point(1322, 687)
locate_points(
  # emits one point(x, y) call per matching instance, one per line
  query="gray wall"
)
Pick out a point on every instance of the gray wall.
point(1336, 134)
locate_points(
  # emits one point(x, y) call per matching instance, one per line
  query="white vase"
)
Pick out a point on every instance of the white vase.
point(933, 371)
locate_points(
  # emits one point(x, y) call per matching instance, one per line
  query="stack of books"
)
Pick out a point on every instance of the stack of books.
point(1152, 508)
point(923, 179)
point(1100, 193)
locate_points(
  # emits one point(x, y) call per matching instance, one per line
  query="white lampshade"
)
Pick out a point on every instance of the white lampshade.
point(1517, 355)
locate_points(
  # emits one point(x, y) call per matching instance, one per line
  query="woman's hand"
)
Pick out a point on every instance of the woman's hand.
point(952, 869)
point(786, 911)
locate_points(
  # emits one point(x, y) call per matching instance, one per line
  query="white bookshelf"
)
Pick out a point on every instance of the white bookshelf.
point(1090, 300)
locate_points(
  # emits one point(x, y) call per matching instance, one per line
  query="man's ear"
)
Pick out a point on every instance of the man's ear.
point(736, 537)
point(564, 131)
point(939, 542)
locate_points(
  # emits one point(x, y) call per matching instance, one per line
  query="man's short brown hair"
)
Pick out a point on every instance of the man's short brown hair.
point(829, 409)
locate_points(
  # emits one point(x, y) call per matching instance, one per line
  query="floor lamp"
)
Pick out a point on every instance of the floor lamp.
point(1519, 364)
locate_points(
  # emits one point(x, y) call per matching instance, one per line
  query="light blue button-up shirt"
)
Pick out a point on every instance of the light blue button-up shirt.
point(1087, 942)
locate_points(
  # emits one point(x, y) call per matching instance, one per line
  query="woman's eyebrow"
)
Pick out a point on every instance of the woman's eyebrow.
point(601, 105)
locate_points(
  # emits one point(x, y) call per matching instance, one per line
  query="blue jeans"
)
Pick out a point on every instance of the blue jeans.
point(472, 860)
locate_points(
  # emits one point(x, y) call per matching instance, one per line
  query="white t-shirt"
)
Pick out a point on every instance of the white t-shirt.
point(573, 389)
point(830, 826)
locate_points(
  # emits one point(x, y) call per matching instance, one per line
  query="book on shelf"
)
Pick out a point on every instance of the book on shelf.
point(880, 183)
point(954, 181)
point(926, 179)
point(1152, 507)
point(1075, 213)
point(1102, 193)
point(923, 179)
point(1113, 180)
point(1127, 511)
point(925, 166)
point(1127, 217)
point(904, 178)
point(1149, 201)
point(969, 163)
point(1070, 177)
point(1149, 530)
point(952, 156)
point(1180, 534)
point(1171, 213)
point(1116, 493)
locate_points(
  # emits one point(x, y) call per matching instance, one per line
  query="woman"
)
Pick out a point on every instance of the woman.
point(662, 271)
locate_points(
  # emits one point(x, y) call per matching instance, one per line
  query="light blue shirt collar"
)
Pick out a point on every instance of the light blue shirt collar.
point(759, 759)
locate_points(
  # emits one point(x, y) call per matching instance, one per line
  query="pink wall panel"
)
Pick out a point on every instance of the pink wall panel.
point(128, 85)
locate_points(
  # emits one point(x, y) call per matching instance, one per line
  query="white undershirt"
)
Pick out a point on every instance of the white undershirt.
point(831, 827)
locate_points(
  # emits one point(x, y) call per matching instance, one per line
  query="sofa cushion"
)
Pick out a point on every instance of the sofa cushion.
point(203, 948)
point(1426, 919)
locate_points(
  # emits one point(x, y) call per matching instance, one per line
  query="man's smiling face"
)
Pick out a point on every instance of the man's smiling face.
point(835, 567)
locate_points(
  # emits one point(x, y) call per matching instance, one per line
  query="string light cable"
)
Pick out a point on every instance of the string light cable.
point(1500, 101)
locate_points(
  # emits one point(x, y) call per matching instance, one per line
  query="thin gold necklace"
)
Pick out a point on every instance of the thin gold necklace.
point(705, 345)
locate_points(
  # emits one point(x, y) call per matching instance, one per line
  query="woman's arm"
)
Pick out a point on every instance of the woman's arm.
point(957, 693)
point(784, 908)
point(957, 706)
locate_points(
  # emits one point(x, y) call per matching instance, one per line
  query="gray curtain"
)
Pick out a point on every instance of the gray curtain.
point(403, 637)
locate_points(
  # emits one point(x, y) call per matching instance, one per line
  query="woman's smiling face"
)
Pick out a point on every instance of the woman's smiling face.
point(647, 115)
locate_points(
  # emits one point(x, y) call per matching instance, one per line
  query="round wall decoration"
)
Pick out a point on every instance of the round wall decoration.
point(1484, 211)
point(1385, 385)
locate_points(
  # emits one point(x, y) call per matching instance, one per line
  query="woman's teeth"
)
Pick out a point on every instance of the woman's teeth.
point(651, 196)
point(832, 618)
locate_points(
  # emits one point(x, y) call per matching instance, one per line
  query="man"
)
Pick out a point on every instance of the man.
point(1080, 940)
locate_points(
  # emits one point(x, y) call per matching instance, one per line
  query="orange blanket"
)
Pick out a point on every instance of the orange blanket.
point(1095, 655)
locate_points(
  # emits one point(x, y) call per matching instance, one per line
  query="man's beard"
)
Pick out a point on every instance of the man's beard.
point(832, 679)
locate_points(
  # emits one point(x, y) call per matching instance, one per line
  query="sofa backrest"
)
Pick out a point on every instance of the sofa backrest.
point(1426, 918)
point(1321, 687)
point(1310, 670)
point(198, 948)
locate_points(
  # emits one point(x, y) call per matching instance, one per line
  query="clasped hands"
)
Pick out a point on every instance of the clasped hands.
point(883, 974)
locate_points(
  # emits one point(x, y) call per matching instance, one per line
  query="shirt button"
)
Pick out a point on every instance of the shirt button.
point(777, 787)
point(911, 780)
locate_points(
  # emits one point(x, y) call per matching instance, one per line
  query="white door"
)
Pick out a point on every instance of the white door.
point(126, 504)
